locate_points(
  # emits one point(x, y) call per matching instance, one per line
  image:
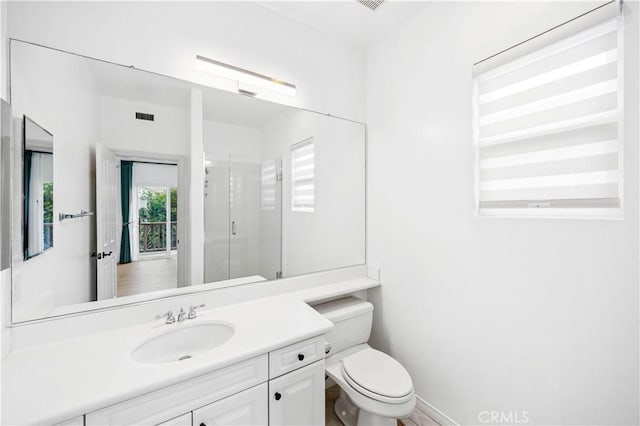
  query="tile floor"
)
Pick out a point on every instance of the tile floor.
point(331, 394)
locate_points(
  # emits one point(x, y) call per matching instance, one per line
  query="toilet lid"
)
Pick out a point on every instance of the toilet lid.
point(378, 373)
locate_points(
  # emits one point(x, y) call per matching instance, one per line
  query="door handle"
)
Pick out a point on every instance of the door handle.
point(233, 227)
point(105, 254)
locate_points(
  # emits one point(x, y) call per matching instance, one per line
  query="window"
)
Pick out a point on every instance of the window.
point(547, 129)
point(269, 178)
point(302, 176)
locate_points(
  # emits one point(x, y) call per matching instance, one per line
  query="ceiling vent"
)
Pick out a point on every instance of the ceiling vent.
point(371, 4)
point(144, 116)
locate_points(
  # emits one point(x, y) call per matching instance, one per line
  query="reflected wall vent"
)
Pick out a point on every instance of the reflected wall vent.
point(144, 116)
point(371, 4)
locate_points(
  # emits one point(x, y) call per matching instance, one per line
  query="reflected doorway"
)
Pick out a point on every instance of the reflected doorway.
point(153, 229)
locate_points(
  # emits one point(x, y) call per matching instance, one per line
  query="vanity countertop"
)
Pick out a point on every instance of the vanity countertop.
point(52, 383)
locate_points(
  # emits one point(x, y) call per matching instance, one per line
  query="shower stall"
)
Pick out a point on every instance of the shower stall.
point(242, 215)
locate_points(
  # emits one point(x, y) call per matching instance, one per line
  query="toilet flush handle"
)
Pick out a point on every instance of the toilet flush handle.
point(327, 348)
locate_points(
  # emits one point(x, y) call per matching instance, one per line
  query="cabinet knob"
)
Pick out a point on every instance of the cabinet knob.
point(203, 424)
point(277, 396)
point(300, 357)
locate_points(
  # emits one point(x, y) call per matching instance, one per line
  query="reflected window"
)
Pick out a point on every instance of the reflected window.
point(303, 176)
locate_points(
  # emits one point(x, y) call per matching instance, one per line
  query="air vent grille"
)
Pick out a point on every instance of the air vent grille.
point(371, 4)
point(144, 116)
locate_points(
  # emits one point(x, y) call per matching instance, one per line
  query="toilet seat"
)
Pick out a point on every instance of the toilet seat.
point(378, 376)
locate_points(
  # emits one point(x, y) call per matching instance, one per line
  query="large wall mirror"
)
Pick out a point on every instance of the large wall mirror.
point(164, 187)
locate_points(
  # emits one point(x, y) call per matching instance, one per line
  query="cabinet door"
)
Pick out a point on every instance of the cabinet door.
point(297, 398)
point(246, 408)
point(183, 420)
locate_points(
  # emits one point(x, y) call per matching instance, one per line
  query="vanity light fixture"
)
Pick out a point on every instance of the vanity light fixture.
point(242, 75)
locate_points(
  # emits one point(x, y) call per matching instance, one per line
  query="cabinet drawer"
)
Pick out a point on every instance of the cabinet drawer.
point(167, 403)
point(295, 356)
point(249, 407)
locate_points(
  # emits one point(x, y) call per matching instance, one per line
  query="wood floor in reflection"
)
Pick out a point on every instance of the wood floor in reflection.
point(147, 275)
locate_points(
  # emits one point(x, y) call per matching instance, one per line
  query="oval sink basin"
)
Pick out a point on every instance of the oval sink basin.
point(183, 341)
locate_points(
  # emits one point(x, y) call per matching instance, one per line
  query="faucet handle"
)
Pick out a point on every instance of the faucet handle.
point(169, 315)
point(192, 310)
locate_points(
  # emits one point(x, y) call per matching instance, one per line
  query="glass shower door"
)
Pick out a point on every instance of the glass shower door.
point(216, 219)
point(242, 218)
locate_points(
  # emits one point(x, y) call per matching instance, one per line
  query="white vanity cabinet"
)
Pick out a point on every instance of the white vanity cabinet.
point(284, 387)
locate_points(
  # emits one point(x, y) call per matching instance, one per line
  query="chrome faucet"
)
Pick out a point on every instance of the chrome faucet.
point(192, 311)
point(182, 315)
point(170, 318)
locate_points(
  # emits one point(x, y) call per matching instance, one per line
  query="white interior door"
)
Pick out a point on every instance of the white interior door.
point(107, 182)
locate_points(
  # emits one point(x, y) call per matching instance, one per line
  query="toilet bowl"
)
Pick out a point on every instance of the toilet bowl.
point(375, 389)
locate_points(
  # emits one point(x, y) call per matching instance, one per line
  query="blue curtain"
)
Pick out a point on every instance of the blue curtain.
point(26, 184)
point(126, 183)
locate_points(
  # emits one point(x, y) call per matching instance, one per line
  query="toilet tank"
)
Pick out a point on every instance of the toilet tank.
point(352, 318)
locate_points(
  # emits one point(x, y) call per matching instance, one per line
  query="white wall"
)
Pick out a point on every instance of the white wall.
point(145, 174)
point(5, 277)
point(165, 37)
point(4, 50)
point(332, 235)
point(58, 92)
point(195, 218)
point(537, 315)
point(237, 141)
point(120, 130)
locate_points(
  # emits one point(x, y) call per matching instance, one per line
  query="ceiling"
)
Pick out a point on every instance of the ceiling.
point(347, 20)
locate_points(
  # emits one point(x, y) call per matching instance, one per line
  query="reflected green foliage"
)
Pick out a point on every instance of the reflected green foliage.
point(174, 204)
point(152, 216)
point(47, 197)
point(155, 205)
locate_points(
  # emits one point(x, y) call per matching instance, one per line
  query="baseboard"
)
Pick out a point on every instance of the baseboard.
point(426, 414)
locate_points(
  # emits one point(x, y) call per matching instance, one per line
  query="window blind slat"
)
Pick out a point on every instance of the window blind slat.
point(592, 62)
point(585, 192)
point(568, 42)
point(605, 162)
point(579, 122)
point(268, 182)
point(533, 157)
point(603, 43)
point(302, 176)
point(563, 99)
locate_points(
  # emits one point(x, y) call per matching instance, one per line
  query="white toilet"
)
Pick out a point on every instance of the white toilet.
point(375, 389)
